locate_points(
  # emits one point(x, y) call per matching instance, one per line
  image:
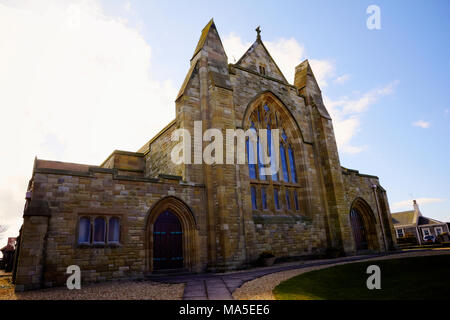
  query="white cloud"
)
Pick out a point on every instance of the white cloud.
point(323, 71)
point(408, 204)
point(421, 124)
point(287, 53)
point(75, 84)
point(346, 114)
point(342, 79)
point(235, 47)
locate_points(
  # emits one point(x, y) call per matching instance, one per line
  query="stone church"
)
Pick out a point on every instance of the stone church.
point(138, 212)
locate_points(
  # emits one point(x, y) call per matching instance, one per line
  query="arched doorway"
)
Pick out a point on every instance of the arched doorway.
point(167, 242)
point(363, 224)
point(171, 236)
point(359, 232)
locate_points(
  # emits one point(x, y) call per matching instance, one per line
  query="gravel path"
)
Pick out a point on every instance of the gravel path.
point(261, 288)
point(117, 290)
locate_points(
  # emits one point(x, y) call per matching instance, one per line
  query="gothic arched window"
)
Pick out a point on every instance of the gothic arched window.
point(283, 175)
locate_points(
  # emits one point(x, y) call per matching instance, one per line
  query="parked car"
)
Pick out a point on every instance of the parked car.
point(429, 239)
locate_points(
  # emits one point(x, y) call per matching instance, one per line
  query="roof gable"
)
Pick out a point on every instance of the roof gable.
point(404, 218)
point(258, 55)
point(424, 220)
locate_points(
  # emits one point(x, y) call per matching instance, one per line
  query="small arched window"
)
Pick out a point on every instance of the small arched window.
point(99, 230)
point(113, 230)
point(84, 230)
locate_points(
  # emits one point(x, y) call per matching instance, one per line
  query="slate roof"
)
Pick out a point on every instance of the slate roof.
point(425, 220)
point(411, 218)
point(404, 217)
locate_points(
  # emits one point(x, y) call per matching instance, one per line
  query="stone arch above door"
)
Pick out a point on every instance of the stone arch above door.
point(369, 223)
point(188, 225)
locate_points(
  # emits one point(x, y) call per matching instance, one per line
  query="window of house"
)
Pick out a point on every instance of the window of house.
point(253, 193)
point(400, 233)
point(438, 230)
point(84, 230)
point(276, 199)
point(99, 230)
point(426, 232)
point(264, 198)
point(113, 230)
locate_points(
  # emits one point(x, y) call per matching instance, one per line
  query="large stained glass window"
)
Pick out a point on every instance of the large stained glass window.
point(280, 175)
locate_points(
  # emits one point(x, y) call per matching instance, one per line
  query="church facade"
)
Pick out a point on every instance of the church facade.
point(139, 212)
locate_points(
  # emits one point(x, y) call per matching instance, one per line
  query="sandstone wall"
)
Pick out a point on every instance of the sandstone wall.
point(100, 193)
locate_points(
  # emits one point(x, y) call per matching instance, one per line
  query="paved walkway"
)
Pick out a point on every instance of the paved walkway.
point(220, 286)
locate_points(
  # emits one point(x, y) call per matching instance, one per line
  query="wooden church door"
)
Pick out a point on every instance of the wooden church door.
point(359, 232)
point(167, 242)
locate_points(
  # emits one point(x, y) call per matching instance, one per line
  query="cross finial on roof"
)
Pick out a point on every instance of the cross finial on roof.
point(258, 33)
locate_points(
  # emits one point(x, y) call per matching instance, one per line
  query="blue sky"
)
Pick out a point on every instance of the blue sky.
point(411, 48)
point(125, 61)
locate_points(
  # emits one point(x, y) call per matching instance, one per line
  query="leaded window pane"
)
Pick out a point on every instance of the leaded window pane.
point(99, 230)
point(292, 164)
point(113, 229)
point(84, 230)
point(253, 193)
point(264, 198)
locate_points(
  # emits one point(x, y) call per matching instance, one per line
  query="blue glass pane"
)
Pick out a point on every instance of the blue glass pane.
point(292, 164)
point(250, 158)
point(288, 201)
point(84, 230)
point(262, 176)
point(266, 108)
point(284, 136)
point(99, 230)
point(284, 163)
point(272, 156)
point(113, 230)
point(296, 200)
point(264, 198)
point(253, 192)
point(276, 200)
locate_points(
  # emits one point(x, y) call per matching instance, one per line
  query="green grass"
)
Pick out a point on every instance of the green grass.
point(405, 278)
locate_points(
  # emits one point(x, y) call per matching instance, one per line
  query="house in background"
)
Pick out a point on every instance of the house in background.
point(412, 224)
point(8, 255)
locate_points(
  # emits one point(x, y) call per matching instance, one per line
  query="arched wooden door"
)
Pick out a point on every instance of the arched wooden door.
point(167, 242)
point(359, 231)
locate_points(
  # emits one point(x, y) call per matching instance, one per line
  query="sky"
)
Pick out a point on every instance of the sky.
point(79, 79)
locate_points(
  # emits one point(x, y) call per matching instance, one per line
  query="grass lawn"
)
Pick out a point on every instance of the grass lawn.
point(405, 278)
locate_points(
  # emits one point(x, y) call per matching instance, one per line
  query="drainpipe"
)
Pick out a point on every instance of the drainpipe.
point(418, 236)
point(374, 188)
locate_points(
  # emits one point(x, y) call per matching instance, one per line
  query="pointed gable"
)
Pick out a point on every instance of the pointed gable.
point(258, 55)
point(210, 49)
point(211, 43)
